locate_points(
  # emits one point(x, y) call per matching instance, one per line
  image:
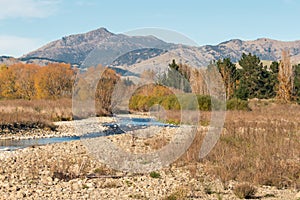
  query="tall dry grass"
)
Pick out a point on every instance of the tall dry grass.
point(260, 147)
point(24, 114)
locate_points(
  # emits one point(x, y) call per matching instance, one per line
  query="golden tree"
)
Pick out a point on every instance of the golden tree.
point(25, 81)
point(285, 78)
point(54, 81)
point(105, 88)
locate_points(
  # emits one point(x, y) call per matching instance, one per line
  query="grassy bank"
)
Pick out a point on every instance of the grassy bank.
point(18, 115)
point(260, 147)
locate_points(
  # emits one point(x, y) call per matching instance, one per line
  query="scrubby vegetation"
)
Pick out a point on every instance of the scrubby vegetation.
point(19, 114)
point(260, 147)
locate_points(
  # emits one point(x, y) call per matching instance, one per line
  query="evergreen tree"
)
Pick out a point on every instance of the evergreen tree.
point(256, 80)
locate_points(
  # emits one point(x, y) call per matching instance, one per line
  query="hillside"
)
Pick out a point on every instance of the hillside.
point(103, 47)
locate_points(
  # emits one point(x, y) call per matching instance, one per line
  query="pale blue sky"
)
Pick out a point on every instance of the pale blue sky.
point(27, 24)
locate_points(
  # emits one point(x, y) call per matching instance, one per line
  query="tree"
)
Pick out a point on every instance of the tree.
point(8, 78)
point(297, 83)
point(177, 77)
point(256, 80)
point(25, 82)
point(17, 81)
point(197, 81)
point(285, 78)
point(54, 81)
point(104, 92)
point(229, 75)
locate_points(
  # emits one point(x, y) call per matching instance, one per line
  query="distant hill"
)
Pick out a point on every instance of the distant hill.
point(100, 45)
point(136, 53)
point(264, 48)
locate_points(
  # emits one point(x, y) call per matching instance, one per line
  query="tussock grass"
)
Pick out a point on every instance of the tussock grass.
point(260, 147)
point(19, 115)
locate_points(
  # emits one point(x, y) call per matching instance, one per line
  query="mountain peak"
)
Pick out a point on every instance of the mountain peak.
point(101, 30)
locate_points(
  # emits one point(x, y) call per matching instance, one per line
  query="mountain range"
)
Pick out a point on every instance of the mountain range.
point(135, 53)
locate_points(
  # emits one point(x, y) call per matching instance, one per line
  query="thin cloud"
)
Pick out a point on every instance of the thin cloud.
point(17, 46)
point(27, 8)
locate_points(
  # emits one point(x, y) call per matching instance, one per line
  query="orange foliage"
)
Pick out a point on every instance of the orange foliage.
point(29, 81)
point(17, 81)
point(54, 80)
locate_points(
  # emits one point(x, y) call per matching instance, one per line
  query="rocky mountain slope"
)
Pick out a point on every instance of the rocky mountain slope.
point(94, 47)
point(264, 48)
point(103, 47)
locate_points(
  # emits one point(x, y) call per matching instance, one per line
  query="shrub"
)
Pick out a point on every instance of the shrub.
point(237, 104)
point(204, 102)
point(244, 191)
point(154, 174)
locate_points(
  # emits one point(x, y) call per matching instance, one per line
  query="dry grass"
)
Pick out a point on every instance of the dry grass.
point(244, 191)
point(23, 114)
point(67, 169)
point(180, 193)
point(259, 147)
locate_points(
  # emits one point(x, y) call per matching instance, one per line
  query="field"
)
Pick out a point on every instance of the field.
point(257, 149)
point(260, 147)
point(23, 114)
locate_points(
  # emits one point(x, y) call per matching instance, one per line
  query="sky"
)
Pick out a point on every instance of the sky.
point(26, 25)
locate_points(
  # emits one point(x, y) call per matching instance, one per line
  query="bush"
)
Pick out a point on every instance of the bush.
point(244, 191)
point(154, 174)
point(237, 104)
point(185, 102)
point(204, 102)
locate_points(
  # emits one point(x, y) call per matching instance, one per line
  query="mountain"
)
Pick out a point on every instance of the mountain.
point(97, 46)
point(136, 53)
point(264, 48)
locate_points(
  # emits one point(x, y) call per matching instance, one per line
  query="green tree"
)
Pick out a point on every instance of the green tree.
point(256, 81)
point(229, 75)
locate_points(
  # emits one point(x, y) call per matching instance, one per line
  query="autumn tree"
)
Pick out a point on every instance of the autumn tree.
point(54, 81)
point(8, 78)
point(197, 81)
point(229, 75)
point(25, 81)
point(285, 78)
point(17, 81)
point(297, 83)
point(104, 91)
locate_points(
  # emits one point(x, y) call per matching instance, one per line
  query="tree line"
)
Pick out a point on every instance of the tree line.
point(247, 79)
point(30, 81)
point(281, 80)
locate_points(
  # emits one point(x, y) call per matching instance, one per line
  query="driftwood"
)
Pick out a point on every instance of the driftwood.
point(90, 176)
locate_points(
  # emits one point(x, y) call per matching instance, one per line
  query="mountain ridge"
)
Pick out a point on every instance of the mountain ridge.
point(102, 46)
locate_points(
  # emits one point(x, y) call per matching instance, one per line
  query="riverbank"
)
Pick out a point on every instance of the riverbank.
point(62, 129)
point(68, 171)
point(257, 149)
